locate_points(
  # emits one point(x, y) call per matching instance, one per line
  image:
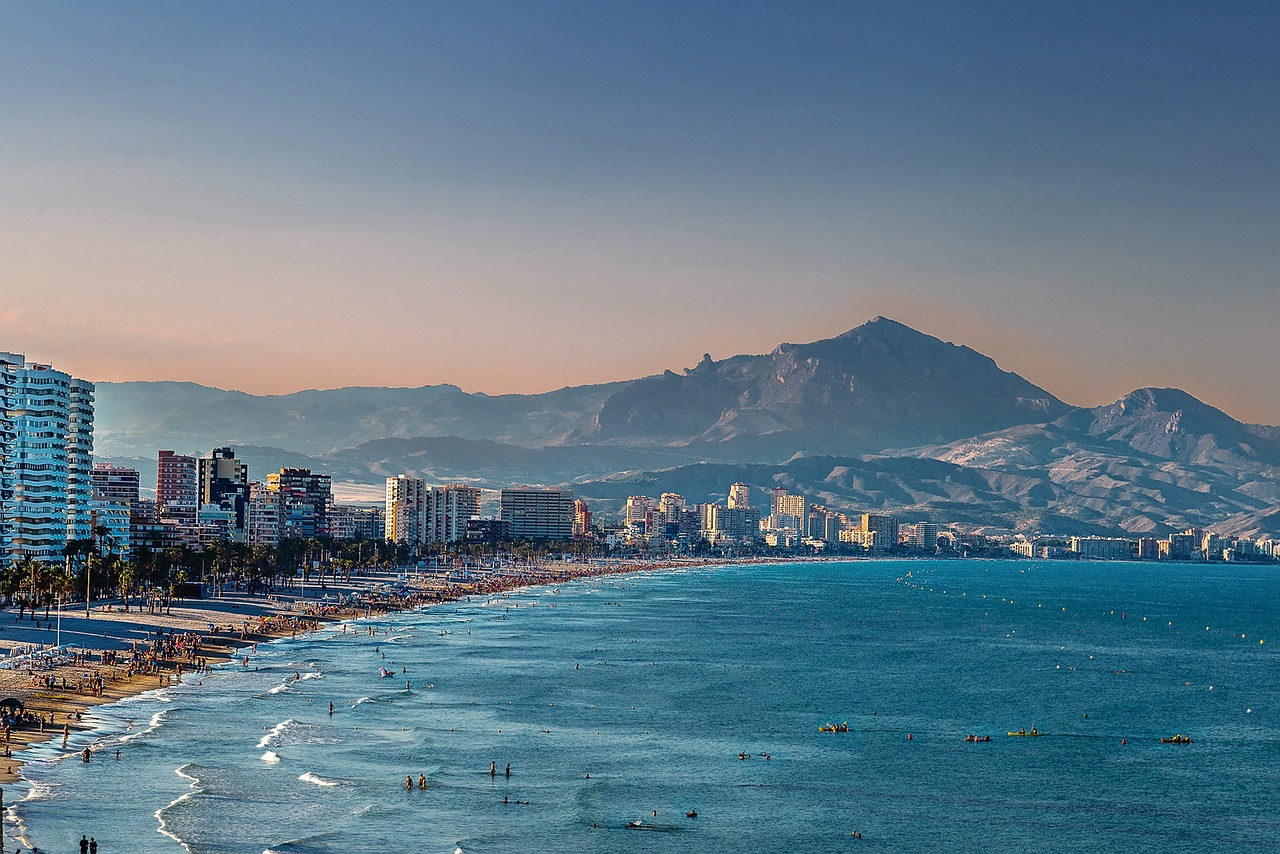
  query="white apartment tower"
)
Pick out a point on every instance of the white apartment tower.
point(451, 507)
point(46, 449)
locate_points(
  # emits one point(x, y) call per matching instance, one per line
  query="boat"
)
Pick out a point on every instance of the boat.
point(840, 727)
point(1178, 739)
point(977, 738)
point(1022, 733)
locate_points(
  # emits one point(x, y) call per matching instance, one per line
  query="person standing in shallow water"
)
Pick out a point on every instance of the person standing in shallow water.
point(84, 845)
point(93, 845)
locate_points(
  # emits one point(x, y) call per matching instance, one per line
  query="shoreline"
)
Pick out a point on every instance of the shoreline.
point(104, 675)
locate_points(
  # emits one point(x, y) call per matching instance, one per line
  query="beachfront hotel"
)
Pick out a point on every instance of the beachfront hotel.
point(46, 452)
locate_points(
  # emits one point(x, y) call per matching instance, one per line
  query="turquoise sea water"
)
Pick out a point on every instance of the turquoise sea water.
point(655, 684)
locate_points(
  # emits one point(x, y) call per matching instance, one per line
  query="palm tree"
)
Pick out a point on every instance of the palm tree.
point(124, 581)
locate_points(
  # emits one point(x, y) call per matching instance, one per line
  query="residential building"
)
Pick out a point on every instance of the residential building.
point(581, 519)
point(46, 447)
point(923, 535)
point(739, 496)
point(879, 531)
point(116, 484)
point(406, 509)
point(531, 513)
point(731, 524)
point(451, 507)
point(177, 488)
point(80, 460)
point(1102, 548)
point(266, 512)
point(788, 512)
point(224, 482)
point(305, 498)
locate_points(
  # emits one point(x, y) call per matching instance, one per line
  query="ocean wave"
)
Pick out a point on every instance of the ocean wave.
point(275, 732)
point(41, 791)
point(362, 700)
point(270, 757)
point(308, 777)
point(313, 674)
point(283, 686)
point(154, 724)
point(193, 790)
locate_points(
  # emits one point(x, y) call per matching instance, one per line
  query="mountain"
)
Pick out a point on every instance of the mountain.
point(139, 418)
point(880, 418)
point(1155, 460)
point(878, 386)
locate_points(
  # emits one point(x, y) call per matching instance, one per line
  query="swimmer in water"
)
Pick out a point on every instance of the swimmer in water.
point(408, 782)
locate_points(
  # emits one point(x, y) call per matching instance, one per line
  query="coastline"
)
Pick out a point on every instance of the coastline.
point(239, 620)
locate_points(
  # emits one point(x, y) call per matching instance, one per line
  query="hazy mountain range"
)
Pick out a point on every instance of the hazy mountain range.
point(880, 418)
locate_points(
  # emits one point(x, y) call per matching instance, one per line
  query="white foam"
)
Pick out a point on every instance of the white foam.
point(308, 777)
point(274, 733)
point(159, 814)
point(283, 686)
point(362, 700)
point(154, 724)
point(270, 757)
point(314, 674)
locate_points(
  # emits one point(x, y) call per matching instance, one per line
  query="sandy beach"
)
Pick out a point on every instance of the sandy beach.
point(111, 653)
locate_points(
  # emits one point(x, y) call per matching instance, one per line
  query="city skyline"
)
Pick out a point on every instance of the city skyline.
point(516, 198)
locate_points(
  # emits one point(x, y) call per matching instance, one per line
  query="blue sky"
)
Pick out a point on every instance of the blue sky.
point(516, 196)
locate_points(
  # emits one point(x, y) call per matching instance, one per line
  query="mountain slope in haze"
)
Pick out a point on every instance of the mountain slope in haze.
point(878, 386)
point(139, 418)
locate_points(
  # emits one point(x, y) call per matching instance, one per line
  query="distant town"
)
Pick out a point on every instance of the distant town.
point(59, 509)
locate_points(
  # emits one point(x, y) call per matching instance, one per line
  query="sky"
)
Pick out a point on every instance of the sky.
point(518, 196)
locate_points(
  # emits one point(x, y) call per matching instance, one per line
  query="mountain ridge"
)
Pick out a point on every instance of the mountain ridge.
point(876, 396)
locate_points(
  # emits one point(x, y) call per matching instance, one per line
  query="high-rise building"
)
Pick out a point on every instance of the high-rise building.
point(224, 483)
point(46, 447)
point(739, 496)
point(581, 519)
point(788, 512)
point(80, 461)
point(637, 510)
point(406, 509)
point(530, 513)
point(879, 532)
point(924, 535)
point(116, 484)
point(265, 515)
point(305, 498)
point(731, 524)
point(177, 488)
point(451, 507)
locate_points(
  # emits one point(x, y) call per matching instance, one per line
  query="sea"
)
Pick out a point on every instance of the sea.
point(626, 705)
